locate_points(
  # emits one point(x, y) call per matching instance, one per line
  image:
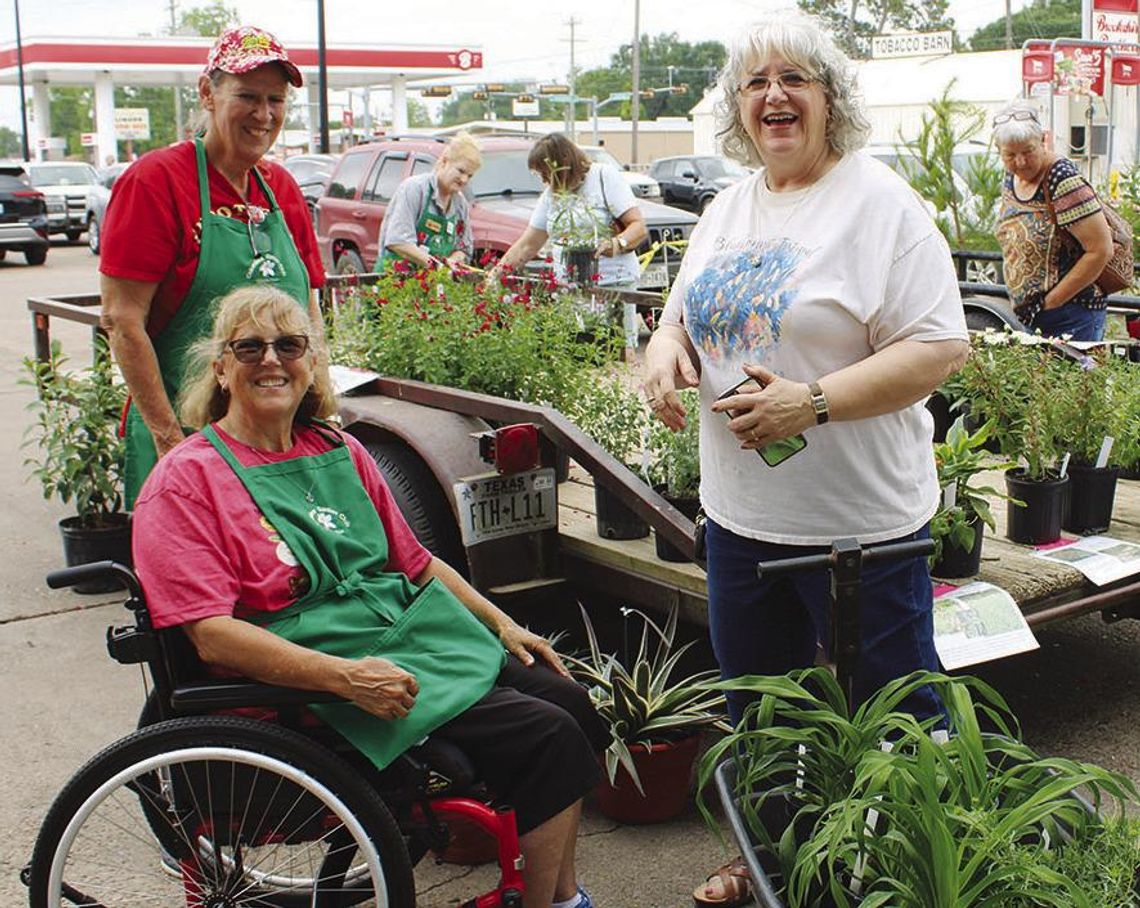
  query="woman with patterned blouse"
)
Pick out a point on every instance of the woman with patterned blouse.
point(1054, 237)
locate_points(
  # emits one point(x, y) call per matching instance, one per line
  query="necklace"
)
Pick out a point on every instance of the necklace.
point(805, 194)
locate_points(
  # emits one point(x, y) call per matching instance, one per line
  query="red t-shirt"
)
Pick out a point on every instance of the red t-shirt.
point(152, 230)
point(202, 547)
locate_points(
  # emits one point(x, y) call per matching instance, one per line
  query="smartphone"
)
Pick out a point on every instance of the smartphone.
point(776, 452)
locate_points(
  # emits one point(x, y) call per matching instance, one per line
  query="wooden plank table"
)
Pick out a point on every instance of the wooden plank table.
point(1044, 590)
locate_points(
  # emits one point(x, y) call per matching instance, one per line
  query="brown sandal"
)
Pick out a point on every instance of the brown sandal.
point(734, 882)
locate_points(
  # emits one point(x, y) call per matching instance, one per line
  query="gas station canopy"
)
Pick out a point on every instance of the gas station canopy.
point(105, 63)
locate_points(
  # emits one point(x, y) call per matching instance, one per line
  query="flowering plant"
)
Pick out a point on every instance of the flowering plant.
point(442, 327)
point(674, 457)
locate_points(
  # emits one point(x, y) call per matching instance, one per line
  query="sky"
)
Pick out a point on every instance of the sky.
point(519, 38)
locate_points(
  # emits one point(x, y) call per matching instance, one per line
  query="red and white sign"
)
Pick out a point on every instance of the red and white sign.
point(346, 119)
point(88, 139)
point(1114, 21)
point(1077, 69)
point(1036, 66)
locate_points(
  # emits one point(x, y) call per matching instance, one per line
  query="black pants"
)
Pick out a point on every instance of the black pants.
point(533, 739)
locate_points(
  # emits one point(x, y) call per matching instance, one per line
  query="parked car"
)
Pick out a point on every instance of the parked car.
point(65, 185)
point(97, 198)
point(23, 215)
point(312, 172)
point(643, 185)
point(503, 193)
point(692, 181)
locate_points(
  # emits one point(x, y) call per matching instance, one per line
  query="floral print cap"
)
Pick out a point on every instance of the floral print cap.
point(244, 48)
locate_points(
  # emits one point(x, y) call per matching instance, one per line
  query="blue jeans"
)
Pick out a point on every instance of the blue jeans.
point(1079, 322)
point(770, 627)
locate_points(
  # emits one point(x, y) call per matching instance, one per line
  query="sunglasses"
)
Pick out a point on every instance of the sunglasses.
point(259, 240)
point(789, 82)
point(1019, 115)
point(251, 350)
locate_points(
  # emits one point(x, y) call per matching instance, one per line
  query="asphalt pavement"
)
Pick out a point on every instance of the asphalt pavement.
point(64, 699)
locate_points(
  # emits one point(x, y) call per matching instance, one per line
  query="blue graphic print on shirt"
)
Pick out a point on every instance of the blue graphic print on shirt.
point(735, 304)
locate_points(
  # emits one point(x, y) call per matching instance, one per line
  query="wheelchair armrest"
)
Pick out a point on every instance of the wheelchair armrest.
point(204, 696)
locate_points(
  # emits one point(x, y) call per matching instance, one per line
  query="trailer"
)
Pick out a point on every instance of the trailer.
point(526, 529)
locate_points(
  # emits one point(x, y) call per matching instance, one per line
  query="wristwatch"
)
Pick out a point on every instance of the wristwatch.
point(818, 403)
point(621, 241)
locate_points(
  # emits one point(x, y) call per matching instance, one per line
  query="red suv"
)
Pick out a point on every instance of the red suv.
point(503, 193)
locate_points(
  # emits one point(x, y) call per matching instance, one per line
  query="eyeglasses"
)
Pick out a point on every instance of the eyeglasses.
point(259, 240)
point(790, 82)
point(251, 350)
point(1019, 115)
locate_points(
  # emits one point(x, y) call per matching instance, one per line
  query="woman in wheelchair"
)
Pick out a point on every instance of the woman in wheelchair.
point(272, 540)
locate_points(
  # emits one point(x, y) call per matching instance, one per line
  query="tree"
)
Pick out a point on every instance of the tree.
point(665, 61)
point(208, 21)
point(10, 144)
point(855, 22)
point(71, 115)
point(1042, 19)
point(418, 114)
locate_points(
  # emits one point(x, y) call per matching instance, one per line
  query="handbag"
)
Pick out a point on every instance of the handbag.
point(1118, 272)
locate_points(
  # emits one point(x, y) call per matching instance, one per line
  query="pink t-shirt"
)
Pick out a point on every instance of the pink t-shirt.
point(202, 547)
point(154, 223)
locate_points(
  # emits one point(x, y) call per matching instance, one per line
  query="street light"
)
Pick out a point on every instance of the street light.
point(322, 79)
point(23, 100)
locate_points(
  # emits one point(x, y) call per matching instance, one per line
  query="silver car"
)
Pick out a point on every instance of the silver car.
point(64, 185)
point(643, 185)
point(98, 196)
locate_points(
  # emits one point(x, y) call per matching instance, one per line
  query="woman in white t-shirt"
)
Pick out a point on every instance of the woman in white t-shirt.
point(583, 203)
point(822, 279)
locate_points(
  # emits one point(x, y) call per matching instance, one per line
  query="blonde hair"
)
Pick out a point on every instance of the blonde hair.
point(802, 41)
point(461, 147)
point(202, 400)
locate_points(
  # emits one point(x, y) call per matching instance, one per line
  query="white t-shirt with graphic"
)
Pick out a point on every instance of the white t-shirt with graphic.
point(607, 207)
point(806, 283)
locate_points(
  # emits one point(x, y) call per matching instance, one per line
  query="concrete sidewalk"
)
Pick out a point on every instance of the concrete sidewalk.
point(65, 699)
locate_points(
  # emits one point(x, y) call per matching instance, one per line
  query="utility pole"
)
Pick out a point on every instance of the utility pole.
point(635, 95)
point(177, 79)
point(572, 107)
point(23, 98)
point(1008, 26)
point(322, 79)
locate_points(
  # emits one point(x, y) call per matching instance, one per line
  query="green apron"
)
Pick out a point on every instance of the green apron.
point(353, 608)
point(225, 261)
point(440, 233)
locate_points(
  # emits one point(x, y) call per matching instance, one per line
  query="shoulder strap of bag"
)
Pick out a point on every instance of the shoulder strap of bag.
point(1049, 197)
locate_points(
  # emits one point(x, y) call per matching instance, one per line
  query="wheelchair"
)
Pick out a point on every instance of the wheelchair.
point(227, 811)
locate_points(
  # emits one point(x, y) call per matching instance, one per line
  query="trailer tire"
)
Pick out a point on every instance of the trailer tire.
point(421, 500)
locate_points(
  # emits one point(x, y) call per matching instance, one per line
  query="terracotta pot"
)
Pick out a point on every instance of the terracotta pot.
point(665, 771)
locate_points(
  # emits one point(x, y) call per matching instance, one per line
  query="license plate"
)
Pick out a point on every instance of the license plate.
point(655, 275)
point(494, 506)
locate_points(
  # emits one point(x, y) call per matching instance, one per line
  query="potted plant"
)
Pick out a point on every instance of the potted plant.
point(1094, 398)
point(956, 527)
point(77, 455)
point(576, 229)
point(675, 466)
point(1011, 381)
point(655, 720)
point(612, 413)
point(877, 808)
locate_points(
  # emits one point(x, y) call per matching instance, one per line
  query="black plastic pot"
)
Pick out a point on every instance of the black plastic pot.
point(83, 545)
point(1039, 521)
point(581, 266)
point(614, 519)
point(688, 506)
point(1092, 492)
point(956, 562)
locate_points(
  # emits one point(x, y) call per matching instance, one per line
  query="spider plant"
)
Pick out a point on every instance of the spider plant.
point(967, 817)
point(641, 701)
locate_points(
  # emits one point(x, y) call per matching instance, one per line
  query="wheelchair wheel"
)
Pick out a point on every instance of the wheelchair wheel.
point(220, 813)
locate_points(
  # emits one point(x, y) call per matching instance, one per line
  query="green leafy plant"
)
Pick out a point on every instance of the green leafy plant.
point(640, 700)
point(1097, 398)
point(76, 452)
point(960, 458)
point(965, 217)
point(970, 817)
point(437, 327)
point(1011, 381)
point(610, 411)
point(674, 457)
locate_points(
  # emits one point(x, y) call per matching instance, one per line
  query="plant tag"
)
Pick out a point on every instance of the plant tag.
point(1063, 470)
point(1105, 450)
point(950, 495)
